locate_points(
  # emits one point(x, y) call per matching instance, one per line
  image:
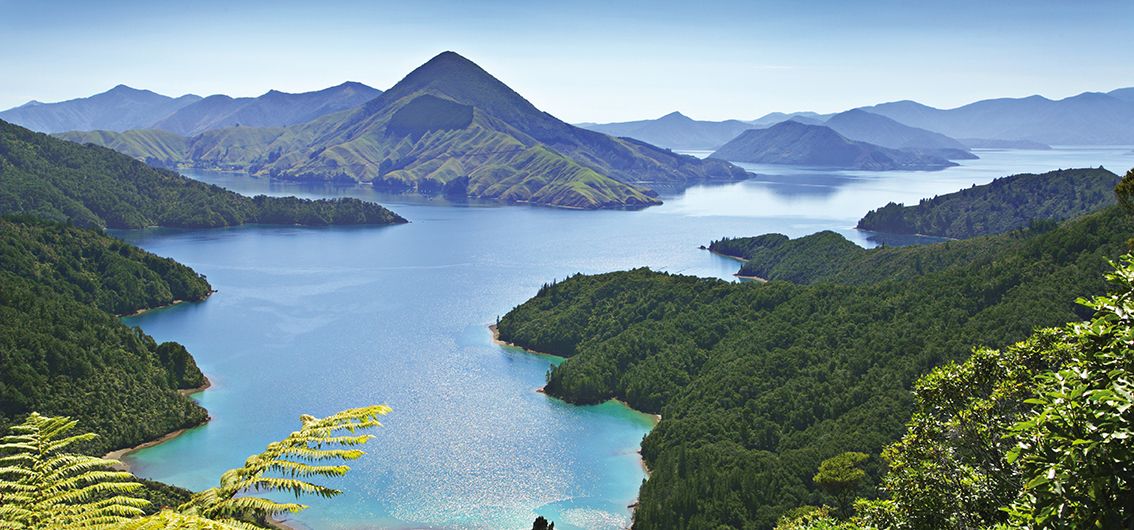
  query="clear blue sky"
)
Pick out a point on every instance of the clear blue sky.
point(607, 60)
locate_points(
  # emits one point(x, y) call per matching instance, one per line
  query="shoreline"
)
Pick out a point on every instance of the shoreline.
point(119, 454)
point(176, 301)
point(740, 259)
point(656, 417)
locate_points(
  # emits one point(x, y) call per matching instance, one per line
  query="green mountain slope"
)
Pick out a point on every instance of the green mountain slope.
point(62, 350)
point(450, 127)
point(94, 186)
point(795, 143)
point(1005, 204)
point(758, 383)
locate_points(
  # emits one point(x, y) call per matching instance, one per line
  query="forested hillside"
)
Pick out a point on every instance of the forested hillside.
point(62, 350)
point(1008, 203)
point(758, 383)
point(94, 186)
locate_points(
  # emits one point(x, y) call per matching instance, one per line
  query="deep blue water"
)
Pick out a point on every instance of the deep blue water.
point(313, 320)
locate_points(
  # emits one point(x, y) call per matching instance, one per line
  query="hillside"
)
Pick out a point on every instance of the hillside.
point(1007, 203)
point(757, 383)
point(273, 109)
point(879, 130)
point(62, 350)
point(795, 143)
point(450, 127)
point(675, 131)
point(118, 109)
point(93, 186)
point(1090, 118)
point(154, 147)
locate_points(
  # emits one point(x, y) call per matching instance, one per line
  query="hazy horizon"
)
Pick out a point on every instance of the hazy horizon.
point(585, 62)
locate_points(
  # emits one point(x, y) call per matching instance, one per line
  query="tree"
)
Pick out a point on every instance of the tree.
point(542, 524)
point(42, 487)
point(1077, 448)
point(840, 476)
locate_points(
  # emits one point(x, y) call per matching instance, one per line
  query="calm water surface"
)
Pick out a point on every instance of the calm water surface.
point(314, 320)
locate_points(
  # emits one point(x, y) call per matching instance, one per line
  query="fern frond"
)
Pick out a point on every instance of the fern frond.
point(44, 487)
point(317, 440)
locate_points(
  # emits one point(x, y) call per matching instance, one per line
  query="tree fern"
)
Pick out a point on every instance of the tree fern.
point(43, 487)
point(316, 450)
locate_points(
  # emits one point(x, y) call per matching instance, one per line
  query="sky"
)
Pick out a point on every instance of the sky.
point(597, 61)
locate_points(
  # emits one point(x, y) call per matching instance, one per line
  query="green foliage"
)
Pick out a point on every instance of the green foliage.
point(1009, 203)
point(93, 186)
point(812, 518)
point(1076, 450)
point(42, 486)
point(1037, 435)
point(62, 351)
point(757, 384)
point(1125, 190)
point(840, 476)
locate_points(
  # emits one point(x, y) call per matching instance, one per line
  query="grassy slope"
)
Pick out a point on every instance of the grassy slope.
point(94, 186)
point(509, 150)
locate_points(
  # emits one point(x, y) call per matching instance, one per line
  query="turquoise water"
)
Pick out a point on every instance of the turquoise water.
point(313, 320)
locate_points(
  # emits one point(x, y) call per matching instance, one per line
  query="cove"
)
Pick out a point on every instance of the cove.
point(313, 320)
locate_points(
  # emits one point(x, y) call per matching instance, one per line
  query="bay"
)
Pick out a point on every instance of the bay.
point(314, 320)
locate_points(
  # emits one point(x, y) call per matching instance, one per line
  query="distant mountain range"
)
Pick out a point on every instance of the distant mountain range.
point(447, 128)
point(273, 109)
point(796, 143)
point(117, 109)
point(1034, 122)
point(857, 124)
point(1090, 118)
point(675, 131)
point(123, 108)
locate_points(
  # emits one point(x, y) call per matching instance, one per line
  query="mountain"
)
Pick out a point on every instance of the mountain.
point(675, 131)
point(757, 384)
point(1125, 94)
point(64, 352)
point(1090, 118)
point(857, 124)
point(772, 118)
point(93, 186)
point(273, 109)
point(795, 143)
point(451, 128)
point(118, 109)
point(1005, 204)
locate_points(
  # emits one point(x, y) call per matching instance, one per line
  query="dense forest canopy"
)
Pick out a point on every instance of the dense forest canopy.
point(757, 384)
point(1005, 204)
point(93, 186)
point(62, 350)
